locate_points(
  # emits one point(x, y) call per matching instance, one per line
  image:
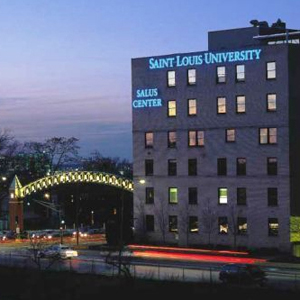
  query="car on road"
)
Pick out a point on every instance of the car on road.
point(242, 274)
point(58, 251)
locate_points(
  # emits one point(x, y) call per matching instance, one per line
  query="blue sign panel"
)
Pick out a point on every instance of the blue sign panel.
point(147, 98)
point(205, 58)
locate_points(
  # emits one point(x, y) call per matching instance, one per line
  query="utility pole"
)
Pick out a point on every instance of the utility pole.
point(77, 198)
point(121, 233)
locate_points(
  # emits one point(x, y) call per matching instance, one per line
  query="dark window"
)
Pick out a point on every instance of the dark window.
point(172, 139)
point(149, 167)
point(267, 136)
point(196, 138)
point(240, 73)
point(173, 195)
point(172, 167)
point(273, 226)
point(171, 80)
point(272, 197)
point(221, 102)
point(241, 196)
point(149, 195)
point(271, 70)
point(172, 108)
point(193, 224)
point(240, 104)
point(149, 222)
point(192, 166)
point(222, 166)
point(192, 107)
point(221, 74)
point(149, 139)
point(191, 76)
point(272, 165)
point(173, 226)
point(241, 166)
point(271, 102)
point(223, 225)
point(230, 135)
point(193, 195)
point(241, 225)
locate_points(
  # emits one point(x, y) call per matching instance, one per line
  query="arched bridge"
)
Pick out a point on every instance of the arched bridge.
point(18, 192)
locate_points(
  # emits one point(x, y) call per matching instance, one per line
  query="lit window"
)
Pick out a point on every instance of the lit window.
point(222, 195)
point(192, 107)
point(273, 226)
point(149, 139)
point(173, 224)
point(193, 224)
point(149, 195)
point(241, 196)
point(221, 101)
point(272, 197)
point(193, 195)
point(242, 225)
point(196, 138)
point(172, 139)
point(230, 135)
point(268, 135)
point(272, 166)
point(149, 223)
point(172, 108)
point(173, 195)
point(223, 225)
point(221, 74)
point(240, 104)
point(241, 166)
point(271, 70)
point(171, 78)
point(191, 76)
point(240, 73)
point(271, 102)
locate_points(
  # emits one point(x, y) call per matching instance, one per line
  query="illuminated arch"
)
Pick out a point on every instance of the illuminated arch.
point(73, 177)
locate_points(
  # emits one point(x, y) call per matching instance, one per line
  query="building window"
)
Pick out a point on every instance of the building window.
point(222, 166)
point(271, 102)
point(193, 195)
point(222, 196)
point(273, 226)
point(241, 225)
point(191, 76)
point(149, 195)
point(173, 195)
point(172, 139)
point(149, 167)
point(192, 107)
point(196, 138)
point(149, 223)
point(221, 74)
point(192, 166)
point(271, 70)
point(230, 135)
point(268, 136)
point(172, 108)
point(193, 224)
point(240, 73)
point(223, 225)
point(241, 196)
point(272, 197)
point(240, 104)
point(149, 139)
point(221, 101)
point(171, 78)
point(272, 165)
point(172, 167)
point(173, 225)
point(240, 166)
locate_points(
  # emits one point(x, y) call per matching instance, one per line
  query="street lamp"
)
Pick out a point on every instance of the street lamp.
point(62, 222)
point(92, 217)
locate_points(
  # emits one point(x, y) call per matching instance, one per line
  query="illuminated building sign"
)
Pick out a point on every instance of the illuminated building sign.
point(146, 98)
point(205, 58)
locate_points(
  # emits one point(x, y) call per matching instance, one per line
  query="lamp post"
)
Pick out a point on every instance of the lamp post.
point(62, 222)
point(92, 218)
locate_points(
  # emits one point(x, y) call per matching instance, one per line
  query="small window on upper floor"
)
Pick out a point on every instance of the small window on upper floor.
point(240, 104)
point(271, 70)
point(221, 103)
point(172, 108)
point(240, 73)
point(191, 76)
point(172, 139)
point(221, 74)
point(149, 139)
point(192, 107)
point(271, 102)
point(171, 80)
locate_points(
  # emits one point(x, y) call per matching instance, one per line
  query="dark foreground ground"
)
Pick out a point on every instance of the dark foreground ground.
point(33, 284)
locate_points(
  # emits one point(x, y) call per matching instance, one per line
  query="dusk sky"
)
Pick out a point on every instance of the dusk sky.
point(65, 65)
